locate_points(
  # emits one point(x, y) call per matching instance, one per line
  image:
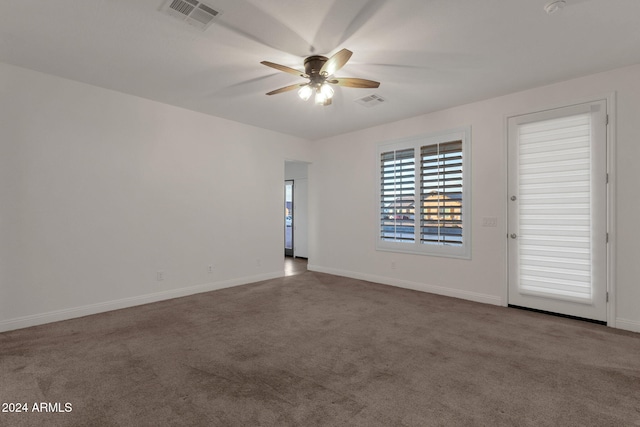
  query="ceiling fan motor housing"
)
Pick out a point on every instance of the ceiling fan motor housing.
point(312, 66)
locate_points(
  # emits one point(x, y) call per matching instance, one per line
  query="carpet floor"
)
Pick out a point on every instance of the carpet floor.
point(320, 350)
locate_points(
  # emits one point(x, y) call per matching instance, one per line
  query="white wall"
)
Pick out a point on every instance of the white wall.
point(100, 190)
point(344, 196)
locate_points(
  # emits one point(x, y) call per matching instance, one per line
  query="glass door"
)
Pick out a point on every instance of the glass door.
point(557, 211)
point(288, 218)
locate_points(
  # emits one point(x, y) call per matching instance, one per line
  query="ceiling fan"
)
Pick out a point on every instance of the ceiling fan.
point(319, 70)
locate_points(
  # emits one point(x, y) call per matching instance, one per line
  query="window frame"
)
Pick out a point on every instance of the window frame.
point(463, 251)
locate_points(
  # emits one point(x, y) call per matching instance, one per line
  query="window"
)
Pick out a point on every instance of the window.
point(398, 195)
point(424, 195)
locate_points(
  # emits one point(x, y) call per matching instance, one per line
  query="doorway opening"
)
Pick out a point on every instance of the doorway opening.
point(295, 217)
point(288, 218)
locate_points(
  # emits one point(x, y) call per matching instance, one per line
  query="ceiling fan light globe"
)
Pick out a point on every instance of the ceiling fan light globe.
point(327, 91)
point(320, 98)
point(305, 92)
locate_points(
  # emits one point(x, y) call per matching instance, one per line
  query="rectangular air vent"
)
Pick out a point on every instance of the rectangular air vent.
point(370, 100)
point(193, 12)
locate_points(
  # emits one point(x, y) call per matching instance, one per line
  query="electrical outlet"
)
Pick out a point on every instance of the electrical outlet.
point(160, 276)
point(210, 268)
point(393, 265)
point(258, 262)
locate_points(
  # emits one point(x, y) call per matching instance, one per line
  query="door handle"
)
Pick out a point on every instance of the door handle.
point(513, 198)
point(513, 235)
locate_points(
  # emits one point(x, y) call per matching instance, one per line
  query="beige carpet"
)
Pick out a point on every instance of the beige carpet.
point(316, 349)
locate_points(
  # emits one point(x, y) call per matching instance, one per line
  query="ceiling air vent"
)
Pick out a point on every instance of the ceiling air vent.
point(193, 12)
point(370, 100)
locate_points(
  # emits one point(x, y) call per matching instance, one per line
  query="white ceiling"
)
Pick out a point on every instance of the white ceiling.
point(427, 54)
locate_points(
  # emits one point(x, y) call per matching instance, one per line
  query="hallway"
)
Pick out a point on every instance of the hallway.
point(293, 266)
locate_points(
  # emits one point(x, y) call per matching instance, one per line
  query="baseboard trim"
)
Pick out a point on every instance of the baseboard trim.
point(628, 325)
point(416, 286)
point(86, 310)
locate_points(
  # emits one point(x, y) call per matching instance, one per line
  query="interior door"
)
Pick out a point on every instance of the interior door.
point(557, 230)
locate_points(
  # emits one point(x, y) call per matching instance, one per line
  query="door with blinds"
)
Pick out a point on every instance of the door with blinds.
point(557, 225)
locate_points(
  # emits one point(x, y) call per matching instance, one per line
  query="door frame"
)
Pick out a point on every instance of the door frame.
point(610, 196)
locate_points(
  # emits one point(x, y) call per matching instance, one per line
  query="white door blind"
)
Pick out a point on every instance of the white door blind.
point(554, 230)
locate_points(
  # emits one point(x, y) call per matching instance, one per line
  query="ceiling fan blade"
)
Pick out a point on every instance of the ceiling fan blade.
point(284, 68)
point(354, 82)
point(336, 62)
point(286, 88)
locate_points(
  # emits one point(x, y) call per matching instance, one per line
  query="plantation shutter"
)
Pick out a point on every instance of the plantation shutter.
point(441, 193)
point(555, 207)
point(397, 201)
